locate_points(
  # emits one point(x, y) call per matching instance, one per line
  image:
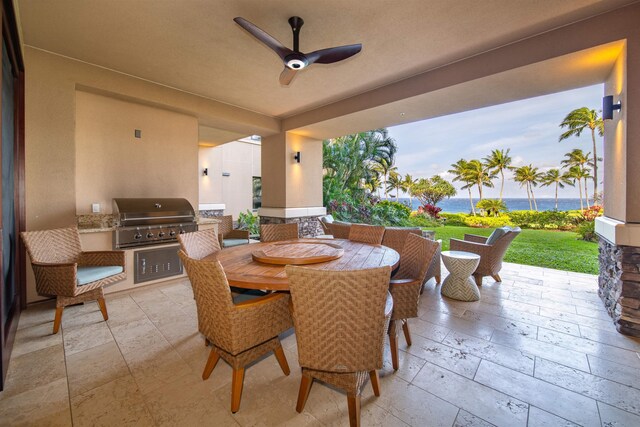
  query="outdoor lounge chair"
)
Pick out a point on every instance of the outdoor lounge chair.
point(228, 236)
point(491, 250)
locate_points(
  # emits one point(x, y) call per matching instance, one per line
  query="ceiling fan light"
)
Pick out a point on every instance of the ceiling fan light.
point(296, 64)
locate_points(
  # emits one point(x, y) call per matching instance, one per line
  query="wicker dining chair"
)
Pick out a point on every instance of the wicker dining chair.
point(405, 286)
point(199, 244)
point(491, 251)
point(228, 236)
point(340, 319)
point(339, 230)
point(371, 234)
point(239, 333)
point(277, 232)
point(62, 269)
point(395, 237)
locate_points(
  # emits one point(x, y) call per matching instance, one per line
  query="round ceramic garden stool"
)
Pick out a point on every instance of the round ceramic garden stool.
point(458, 284)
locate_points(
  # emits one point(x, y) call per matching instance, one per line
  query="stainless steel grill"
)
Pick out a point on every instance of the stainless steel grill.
point(144, 222)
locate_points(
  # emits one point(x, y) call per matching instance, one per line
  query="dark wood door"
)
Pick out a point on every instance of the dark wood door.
point(12, 264)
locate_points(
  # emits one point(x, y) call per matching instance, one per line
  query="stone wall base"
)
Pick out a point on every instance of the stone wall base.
point(211, 213)
point(619, 285)
point(308, 226)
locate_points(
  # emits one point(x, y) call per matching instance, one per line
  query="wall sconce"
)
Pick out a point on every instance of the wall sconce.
point(205, 172)
point(608, 106)
point(297, 157)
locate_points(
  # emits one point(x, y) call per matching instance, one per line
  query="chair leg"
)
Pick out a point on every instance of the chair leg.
point(303, 393)
point(212, 361)
point(58, 319)
point(103, 308)
point(237, 380)
point(407, 333)
point(375, 382)
point(354, 410)
point(282, 360)
point(393, 344)
point(496, 277)
point(478, 279)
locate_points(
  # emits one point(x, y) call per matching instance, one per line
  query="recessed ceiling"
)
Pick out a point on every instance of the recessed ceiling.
point(196, 47)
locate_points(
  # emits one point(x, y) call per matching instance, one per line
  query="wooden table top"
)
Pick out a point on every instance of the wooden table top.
point(243, 272)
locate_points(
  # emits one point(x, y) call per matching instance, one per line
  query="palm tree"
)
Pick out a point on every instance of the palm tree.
point(578, 173)
point(498, 161)
point(577, 121)
point(528, 176)
point(477, 172)
point(458, 169)
point(394, 182)
point(578, 158)
point(553, 177)
point(407, 186)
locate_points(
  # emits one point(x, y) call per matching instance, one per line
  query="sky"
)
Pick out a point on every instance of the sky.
point(530, 128)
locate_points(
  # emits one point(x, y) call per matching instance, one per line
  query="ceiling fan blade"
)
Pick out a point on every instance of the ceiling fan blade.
point(286, 76)
point(265, 38)
point(333, 54)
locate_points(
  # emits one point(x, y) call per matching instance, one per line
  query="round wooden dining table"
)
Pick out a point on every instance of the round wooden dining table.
point(243, 271)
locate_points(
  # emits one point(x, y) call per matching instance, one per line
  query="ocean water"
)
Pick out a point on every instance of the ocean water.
point(461, 205)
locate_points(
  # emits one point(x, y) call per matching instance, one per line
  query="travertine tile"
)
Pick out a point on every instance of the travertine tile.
point(425, 329)
point(34, 338)
point(501, 323)
point(613, 393)
point(122, 310)
point(45, 405)
point(601, 350)
point(614, 371)
point(33, 370)
point(408, 364)
point(38, 314)
point(497, 353)
point(614, 417)
point(486, 403)
point(459, 324)
point(540, 418)
point(543, 302)
point(549, 351)
point(95, 367)
point(118, 402)
point(81, 315)
point(82, 338)
point(415, 406)
point(556, 400)
point(465, 419)
point(453, 359)
point(613, 338)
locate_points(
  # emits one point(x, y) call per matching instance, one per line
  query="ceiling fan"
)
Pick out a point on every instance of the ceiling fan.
point(294, 60)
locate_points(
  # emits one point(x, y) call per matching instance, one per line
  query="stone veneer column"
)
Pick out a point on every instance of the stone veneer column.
point(619, 285)
point(308, 226)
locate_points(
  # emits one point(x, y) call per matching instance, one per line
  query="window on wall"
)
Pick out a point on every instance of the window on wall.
point(257, 192)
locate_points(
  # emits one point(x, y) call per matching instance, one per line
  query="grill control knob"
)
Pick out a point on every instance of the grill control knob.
point(161, 234)
point(172, 233)
point(137, 236)
point(182, 231)
point(149, 235)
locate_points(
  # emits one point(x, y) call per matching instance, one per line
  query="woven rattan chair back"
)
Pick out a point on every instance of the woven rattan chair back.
point(277, 232)
point(226, 224)
point(395, 238)
point(416, 257)
point(339, 317)
point(214, 303)
point(199, 244)
point(339, 230)
point(58, 246)
point(495, 254)
point(371, 234)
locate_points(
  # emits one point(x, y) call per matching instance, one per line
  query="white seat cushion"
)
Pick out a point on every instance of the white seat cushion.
point(93, 273)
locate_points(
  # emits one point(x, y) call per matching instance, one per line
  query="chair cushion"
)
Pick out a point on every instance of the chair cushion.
point(248, 295)
point(228, 243)
point(497, 234)
point(327, 219)
point(91, 274)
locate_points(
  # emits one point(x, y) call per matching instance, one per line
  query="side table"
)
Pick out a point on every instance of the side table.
point(458, 284)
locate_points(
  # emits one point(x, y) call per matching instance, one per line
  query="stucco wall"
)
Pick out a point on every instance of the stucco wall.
point(242, 161)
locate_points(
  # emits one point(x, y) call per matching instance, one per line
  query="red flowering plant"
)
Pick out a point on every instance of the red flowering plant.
point(431, 210)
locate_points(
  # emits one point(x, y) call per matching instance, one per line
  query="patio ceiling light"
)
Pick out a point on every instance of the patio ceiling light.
point(608, 106)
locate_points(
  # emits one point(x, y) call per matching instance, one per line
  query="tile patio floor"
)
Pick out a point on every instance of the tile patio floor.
point(538, 350)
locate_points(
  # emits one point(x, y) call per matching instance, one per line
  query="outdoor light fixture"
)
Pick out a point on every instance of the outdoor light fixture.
point(205, 172)
point(297, 157)
point(608, 106)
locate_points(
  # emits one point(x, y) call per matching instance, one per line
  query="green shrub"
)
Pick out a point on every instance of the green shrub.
point(488, 221)
point(587, 231)
point(249, 221)
point(554, 220)
point(456, 219)
point(425, 221)
point(390, 213)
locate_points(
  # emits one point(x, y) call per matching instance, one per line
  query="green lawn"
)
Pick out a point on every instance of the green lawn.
point(561, 250)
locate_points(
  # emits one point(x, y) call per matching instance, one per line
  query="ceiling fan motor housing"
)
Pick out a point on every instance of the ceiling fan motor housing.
point(296, 61)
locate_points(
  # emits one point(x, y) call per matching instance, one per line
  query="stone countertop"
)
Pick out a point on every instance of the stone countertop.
point(88, 230)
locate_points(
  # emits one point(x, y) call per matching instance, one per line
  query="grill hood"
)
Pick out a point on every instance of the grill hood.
point(148, 211)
